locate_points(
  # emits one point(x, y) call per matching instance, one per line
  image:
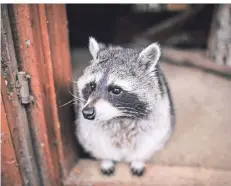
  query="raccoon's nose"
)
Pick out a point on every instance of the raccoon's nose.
point(89, 113)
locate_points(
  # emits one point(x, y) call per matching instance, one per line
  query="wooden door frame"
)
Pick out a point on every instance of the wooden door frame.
point(39, 46)
point(15, 114)
point(40, 134)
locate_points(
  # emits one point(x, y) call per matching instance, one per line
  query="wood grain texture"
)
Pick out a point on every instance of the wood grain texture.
point(10, 174)
point(32, 47)
point(60, 55)
point(40, 32)
point(15, 112)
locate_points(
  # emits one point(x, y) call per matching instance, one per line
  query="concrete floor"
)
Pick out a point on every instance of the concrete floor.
point(203, 106)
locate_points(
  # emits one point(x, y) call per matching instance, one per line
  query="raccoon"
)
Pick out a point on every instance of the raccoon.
point(125, 112)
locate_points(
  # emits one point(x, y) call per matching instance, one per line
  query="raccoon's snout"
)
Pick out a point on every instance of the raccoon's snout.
point(89, 113)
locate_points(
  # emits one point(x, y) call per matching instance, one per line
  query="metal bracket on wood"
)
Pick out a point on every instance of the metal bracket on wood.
point(23, 85)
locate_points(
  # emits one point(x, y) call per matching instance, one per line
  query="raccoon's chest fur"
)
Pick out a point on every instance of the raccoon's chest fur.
point(115, 140)
point(122, 132)
point(122, 140)
point(118, 134)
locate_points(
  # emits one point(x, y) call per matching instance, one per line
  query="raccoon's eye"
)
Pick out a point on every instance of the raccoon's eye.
point(92, 86)
point(115, 90)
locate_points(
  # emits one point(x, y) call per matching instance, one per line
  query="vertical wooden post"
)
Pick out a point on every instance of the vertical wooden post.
point(42, 49)
point(60, 55)
point(10, 172)
point(219, 43)
point(15, 113)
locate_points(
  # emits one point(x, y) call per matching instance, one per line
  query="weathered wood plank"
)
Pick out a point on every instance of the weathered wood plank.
point(15, 112)
point(60, 54)
point(194, 58)
point(219, 42)
point(32, 49)
point(42, 47)
point(10, 174)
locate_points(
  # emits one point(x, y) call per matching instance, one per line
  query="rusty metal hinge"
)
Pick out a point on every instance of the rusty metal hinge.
point(23, 85)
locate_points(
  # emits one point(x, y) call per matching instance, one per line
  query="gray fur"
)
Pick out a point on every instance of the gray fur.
point(138, 111)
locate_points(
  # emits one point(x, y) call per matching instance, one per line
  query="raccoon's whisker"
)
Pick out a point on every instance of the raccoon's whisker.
point(133, 112)
point(136, 110)
point(73, 81)
point(81, 99)
point(130, 105)
point(140, 110)
point(132, 115)
point(71, 101)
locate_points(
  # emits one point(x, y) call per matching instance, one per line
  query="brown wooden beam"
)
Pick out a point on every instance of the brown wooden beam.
point(194, 58)
point(15, 112)
point(10, 174)
point(32, 45)
point(42, 48)
point(62, 75)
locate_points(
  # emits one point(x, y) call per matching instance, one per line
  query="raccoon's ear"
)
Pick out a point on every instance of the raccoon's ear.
point(94, 47)
point(149, 56)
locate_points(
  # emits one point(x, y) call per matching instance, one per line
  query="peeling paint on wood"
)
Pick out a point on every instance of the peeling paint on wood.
point(40, 32)
point(27, 26)
point(10, 174)
point(42, 50)
point(15, 113)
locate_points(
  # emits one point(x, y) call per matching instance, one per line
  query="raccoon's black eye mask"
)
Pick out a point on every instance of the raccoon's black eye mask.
point(91, 87)
point(88, 89)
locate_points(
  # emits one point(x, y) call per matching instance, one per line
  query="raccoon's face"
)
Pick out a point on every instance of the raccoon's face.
point(119, 82)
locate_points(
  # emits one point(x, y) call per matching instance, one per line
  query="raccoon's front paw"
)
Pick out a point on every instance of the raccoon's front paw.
point(107, 167)
point(137, 168)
